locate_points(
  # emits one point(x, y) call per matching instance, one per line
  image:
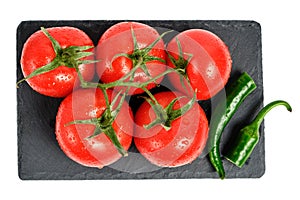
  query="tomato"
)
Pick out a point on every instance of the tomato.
point(38, 51)
point(73, 139)
point(203, 58)
point(179, 145)
point(118, 54)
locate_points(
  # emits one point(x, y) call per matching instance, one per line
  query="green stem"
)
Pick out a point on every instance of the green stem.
point(260, 117)
point(133, 84)
point(174, 114)
point(115, 112)
point(123, 80)
point(150, 95)
point(180, 63)
point(106, 98)
point(165, 116)
point(83, 83)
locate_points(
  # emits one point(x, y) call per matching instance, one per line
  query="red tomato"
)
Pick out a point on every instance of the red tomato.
point(178, 146)
point(38, 51)
point(118, 40)
point(209, 67)
point(97, 151)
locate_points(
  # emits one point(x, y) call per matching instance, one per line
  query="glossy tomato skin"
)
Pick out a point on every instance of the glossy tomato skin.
point(99, 150)
point(38, 51)
point(209, 68)
point(180, 145)
point(118, 40)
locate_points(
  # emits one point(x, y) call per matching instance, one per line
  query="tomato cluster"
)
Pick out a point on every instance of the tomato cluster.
point(95, 125)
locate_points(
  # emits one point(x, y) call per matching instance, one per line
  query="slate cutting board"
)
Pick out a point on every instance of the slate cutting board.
point(40, 158)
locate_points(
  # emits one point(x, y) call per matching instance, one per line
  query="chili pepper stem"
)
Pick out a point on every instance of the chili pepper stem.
point(260, 116)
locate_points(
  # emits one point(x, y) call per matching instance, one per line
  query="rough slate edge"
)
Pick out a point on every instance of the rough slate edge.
point(40, 158)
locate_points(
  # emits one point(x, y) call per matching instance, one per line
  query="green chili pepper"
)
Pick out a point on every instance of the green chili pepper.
point(248, 136)
point(222, 114)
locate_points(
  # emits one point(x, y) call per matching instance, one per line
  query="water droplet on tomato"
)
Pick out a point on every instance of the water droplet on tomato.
point(93, 113)
point(183, 143)
point(71, 138)
point(63, 77)
point(81, 68)
point(211, 71)
point(155, 144)
point(95, 144)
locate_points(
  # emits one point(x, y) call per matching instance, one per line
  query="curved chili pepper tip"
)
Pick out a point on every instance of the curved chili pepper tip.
point(248, 137)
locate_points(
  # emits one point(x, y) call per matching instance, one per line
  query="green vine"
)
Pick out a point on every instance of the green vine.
point(72, 57)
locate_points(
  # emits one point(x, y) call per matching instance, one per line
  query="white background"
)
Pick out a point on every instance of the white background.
point(281, 54)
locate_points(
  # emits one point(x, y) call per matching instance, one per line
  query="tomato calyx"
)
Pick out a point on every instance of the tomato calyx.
point(140, 57)
point(104, 123)
point(70, 57)
point(165, 116)
point(180, 63)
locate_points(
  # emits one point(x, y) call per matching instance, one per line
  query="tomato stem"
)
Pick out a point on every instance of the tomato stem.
point(103, 125)
point(180, 63)
point(165, 116)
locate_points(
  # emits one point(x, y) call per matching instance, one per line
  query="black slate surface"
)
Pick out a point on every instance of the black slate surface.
point(39, 156)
